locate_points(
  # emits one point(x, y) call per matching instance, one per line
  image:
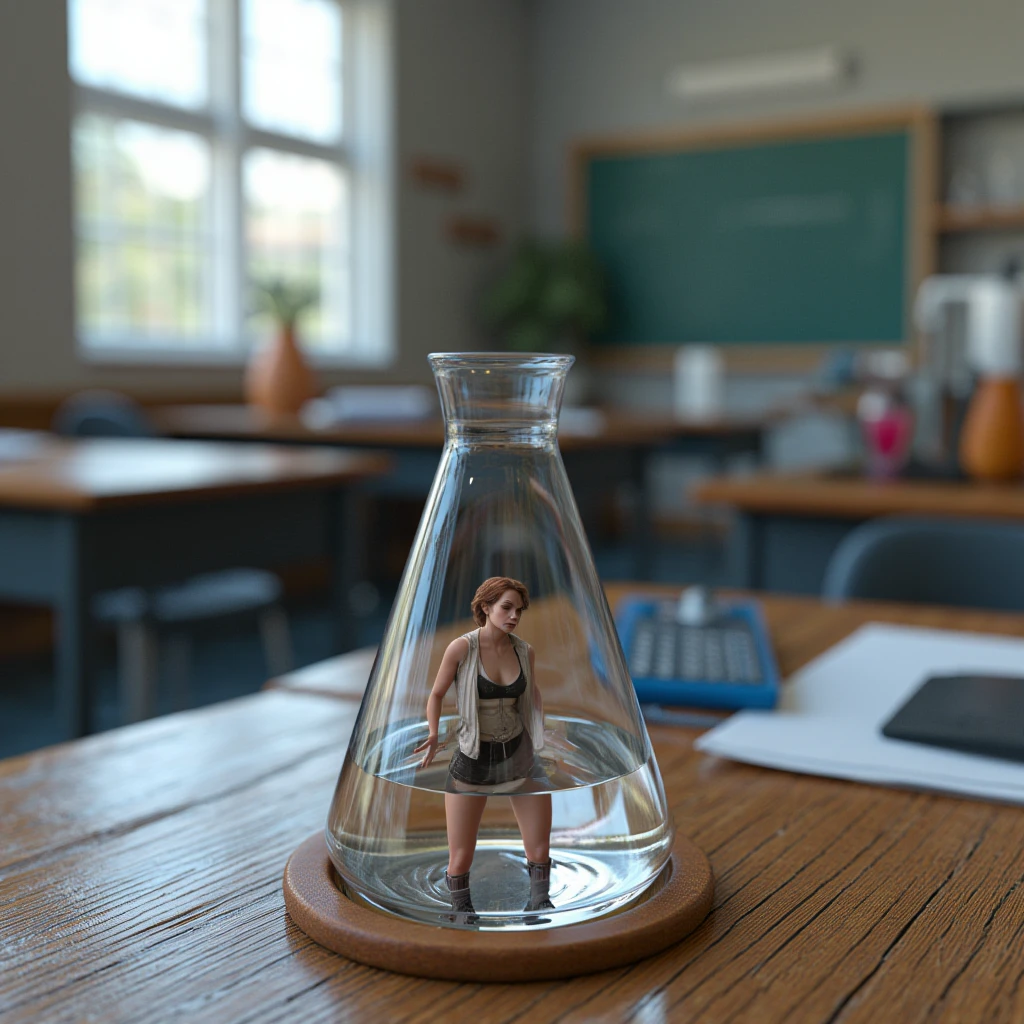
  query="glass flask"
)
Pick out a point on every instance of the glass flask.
point(501, 506)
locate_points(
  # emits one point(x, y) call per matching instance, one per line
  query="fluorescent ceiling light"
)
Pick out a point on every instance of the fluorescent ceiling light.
point(826, 65)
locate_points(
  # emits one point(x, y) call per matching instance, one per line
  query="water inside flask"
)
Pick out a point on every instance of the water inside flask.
point(501, 507)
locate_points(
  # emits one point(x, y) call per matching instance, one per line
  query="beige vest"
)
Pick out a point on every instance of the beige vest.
point(466, 696)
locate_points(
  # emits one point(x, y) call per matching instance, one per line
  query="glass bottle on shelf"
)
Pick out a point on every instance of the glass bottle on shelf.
point(885, 416)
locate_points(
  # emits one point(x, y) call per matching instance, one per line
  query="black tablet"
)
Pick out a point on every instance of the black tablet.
point(979, 714)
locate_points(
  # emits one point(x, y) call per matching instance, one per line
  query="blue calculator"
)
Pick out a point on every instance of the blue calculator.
point(726, 662)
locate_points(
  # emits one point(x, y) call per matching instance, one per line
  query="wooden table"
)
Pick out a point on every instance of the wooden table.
point(789, 524)
point(615, 447)
point(140, 876)
point(78, 517)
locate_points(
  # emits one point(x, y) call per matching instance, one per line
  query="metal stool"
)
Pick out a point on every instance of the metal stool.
point(142, 615)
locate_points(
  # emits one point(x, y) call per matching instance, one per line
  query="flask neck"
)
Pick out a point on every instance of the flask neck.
point(500, 398)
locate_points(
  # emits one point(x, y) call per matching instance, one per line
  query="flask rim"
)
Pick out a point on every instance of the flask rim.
point(541, 362)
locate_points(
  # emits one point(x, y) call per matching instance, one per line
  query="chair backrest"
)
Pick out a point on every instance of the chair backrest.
point(971, 563)
point(101, 414)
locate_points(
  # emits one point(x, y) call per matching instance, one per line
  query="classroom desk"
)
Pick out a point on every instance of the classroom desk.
point(81, 516)
point(789, 524)
point(155, 894)
point(617, 449)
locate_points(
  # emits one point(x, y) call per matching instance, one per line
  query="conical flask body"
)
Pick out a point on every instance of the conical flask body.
point(499, 739)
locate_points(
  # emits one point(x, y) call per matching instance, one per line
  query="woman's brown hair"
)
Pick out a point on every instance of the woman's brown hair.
point(490, 590)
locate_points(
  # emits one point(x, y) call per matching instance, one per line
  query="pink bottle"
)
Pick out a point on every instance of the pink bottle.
point(886, 420)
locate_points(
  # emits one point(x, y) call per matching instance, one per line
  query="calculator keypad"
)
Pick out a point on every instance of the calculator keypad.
point(717, 653)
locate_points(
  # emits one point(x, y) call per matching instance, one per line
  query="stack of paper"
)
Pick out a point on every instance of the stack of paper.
point(831, 713)
point(371, 402)
point(16, 445)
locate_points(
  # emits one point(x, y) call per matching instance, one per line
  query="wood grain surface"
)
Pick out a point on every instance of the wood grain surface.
point(852, 497)
point(140, 879)
point(90, 474)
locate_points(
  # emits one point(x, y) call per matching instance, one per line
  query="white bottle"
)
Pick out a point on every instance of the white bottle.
point(698, 381)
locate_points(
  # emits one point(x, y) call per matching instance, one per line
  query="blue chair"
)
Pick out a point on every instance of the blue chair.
point(970, 563)
point(143, 616)
point(98, 413)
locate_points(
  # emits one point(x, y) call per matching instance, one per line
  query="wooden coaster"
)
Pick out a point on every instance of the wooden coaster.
point(319, 907)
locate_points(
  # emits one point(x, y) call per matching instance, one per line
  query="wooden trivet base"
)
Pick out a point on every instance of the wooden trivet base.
point(319, 907)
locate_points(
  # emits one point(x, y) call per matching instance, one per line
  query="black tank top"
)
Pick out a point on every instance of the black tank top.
point(487, 690)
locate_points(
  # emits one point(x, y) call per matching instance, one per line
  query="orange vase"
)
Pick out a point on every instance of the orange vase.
point(992, 441)
point(278, 381)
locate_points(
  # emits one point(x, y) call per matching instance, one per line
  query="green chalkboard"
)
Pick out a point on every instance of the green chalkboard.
point(800, 240)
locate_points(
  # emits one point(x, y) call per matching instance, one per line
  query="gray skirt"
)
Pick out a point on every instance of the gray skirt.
point(499, 764)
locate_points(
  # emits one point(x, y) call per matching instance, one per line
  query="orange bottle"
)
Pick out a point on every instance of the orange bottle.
point(992, 440)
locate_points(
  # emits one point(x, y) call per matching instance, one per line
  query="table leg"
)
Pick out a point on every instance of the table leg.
point(746, 551)
point(643, 517)
point(75, 639)
point(347, 542)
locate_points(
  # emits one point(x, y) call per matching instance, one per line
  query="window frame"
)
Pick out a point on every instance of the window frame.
point(222, 125)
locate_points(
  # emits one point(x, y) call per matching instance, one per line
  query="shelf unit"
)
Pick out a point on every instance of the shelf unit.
point(979, 238)
point(951, 219)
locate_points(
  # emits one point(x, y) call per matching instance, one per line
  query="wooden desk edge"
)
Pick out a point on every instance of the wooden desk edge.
point(55, 497)
point(811, 494)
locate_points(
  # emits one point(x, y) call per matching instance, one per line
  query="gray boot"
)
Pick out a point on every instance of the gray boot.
point(462, 902)
point(540, 881)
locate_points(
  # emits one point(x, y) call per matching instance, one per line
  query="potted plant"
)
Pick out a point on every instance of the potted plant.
point(552, 297)
point(278, 379)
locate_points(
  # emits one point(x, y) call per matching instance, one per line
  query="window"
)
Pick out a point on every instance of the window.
point(215, 145)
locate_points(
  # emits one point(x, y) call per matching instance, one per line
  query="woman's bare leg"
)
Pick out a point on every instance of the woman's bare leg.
point(534, 816)
point(462, 814)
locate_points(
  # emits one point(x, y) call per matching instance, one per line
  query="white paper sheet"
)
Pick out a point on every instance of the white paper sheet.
point(832, 711)
point(17, 445)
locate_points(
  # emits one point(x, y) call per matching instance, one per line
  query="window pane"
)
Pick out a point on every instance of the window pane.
point(143, 218)
point(291, 67)
point(297, 231)
point(156, 49)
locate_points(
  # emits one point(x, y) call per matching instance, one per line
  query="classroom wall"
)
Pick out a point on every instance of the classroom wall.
point(36, 315)
point(600, 68)
point(501, 87)
point(460, 93)
point(600, 65)
point(464, 81)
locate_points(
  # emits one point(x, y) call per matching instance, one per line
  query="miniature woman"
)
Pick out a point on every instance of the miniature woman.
point(501, 726)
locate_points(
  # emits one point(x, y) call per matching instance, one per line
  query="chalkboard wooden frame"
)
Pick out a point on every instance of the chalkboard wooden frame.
point(920, 126)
